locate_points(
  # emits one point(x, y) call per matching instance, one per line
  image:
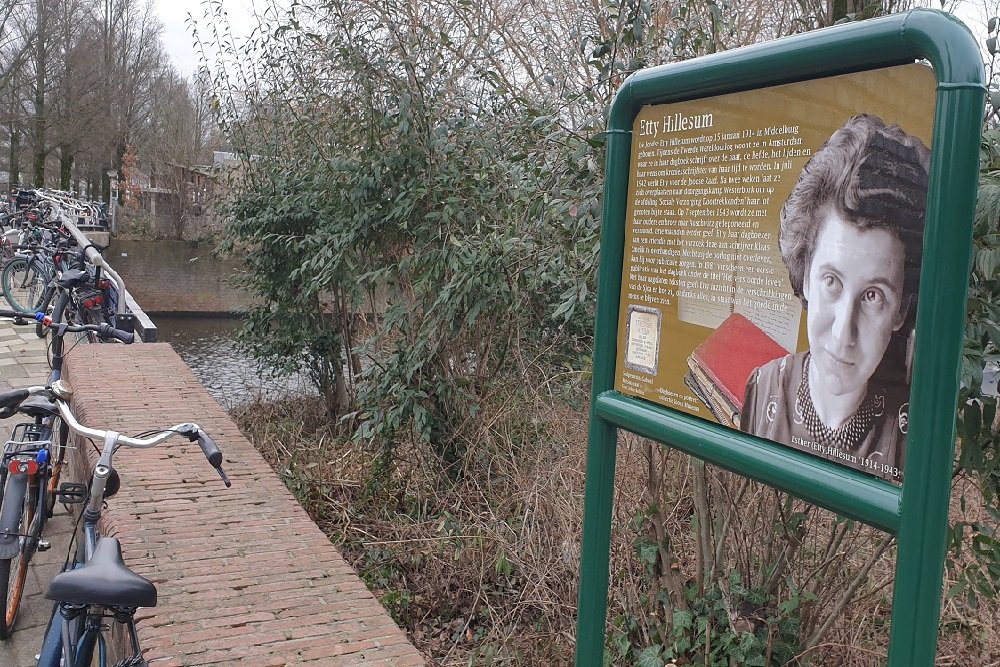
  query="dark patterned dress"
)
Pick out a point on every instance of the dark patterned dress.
point(777, 406)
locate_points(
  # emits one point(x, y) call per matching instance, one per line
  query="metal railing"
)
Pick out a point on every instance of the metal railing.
point(129, 316)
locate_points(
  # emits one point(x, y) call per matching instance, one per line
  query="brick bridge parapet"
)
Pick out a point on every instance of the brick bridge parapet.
point(244, 575)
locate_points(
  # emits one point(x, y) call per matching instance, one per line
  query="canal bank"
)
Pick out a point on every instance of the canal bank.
point(178, 277)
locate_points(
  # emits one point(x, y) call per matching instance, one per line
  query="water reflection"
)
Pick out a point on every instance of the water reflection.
point(206, 345)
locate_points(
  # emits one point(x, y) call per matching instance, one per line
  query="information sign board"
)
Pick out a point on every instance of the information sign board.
point(742, 209)
point(770, 215)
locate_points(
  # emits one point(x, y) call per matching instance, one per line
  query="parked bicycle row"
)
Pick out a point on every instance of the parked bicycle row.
point(45, 258)
point(55, 279)
point(87, 214)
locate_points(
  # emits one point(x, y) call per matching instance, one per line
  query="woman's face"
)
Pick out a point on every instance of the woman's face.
point(854, 288)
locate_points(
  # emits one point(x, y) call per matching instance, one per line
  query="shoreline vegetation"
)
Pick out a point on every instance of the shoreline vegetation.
point(484, 570)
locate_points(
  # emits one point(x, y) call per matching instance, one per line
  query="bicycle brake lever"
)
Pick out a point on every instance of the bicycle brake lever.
point(189, 431)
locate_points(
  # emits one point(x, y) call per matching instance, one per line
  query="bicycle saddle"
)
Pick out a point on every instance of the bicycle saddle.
point(104, 580)
point(38, 406)
point(73, 278)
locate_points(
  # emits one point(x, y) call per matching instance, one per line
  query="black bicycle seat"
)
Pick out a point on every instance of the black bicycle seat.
point(38, 406)
point(104, 580)
point(73, 278)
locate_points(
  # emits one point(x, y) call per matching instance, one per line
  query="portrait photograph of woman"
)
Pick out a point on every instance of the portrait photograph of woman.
point(850, 236)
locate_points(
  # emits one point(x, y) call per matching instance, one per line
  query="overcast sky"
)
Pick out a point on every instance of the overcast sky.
point(177, 36)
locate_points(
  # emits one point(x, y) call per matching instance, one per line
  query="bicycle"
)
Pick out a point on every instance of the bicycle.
point(34, 258)
point(87, 293)
point(58, 259)
point(32, 462)
point(26, 277)
point(97, 585)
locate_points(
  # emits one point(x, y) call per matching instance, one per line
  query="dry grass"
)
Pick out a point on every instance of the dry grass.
point(484, 571)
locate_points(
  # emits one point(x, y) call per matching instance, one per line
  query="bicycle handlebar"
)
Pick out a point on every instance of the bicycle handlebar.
point(191, 431)
point(13, 397)
point(212, 453)
point(210, 449)
point(103, 330)
point(188, 430)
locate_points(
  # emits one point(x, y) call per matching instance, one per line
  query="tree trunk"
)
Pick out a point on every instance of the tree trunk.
point(13, 165)
point(38, 140)
point(839, 9)
point(105, 182)
point(65, 167)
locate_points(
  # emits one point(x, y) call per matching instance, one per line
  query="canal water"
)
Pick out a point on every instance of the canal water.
point(193, 297)
point(207, 345)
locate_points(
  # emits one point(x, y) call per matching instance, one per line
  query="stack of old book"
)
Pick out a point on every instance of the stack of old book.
point(719, 368)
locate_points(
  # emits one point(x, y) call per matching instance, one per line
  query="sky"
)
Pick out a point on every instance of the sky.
point(177, 37)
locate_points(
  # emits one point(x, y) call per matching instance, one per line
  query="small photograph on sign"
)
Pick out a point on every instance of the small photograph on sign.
point(773, 249)
point(642, 345)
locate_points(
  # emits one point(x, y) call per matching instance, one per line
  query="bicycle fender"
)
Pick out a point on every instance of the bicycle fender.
point(10, 514)
point(50, 654)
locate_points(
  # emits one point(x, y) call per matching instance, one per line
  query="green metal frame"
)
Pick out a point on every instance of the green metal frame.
point(917, 512)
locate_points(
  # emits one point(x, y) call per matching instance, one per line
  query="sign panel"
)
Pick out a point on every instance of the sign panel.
point(772, 261)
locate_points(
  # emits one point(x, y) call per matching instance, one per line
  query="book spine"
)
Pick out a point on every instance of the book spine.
point(714, 379)
point(718, 401)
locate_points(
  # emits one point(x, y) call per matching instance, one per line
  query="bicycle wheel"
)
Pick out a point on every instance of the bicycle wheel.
point(14, 571)
point(23, 285)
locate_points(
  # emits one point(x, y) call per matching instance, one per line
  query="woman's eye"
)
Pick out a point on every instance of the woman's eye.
point(873, 296)
point(830, 283)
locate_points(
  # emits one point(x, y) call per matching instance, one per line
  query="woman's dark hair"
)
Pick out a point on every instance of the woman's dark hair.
point(872, 175)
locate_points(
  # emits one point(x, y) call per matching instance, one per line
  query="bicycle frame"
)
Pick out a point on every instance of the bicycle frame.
point(75, 631)
point(71, 642)
point(28, 478)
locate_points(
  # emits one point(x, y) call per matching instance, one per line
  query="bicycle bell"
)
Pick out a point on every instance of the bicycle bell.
point(61, 390)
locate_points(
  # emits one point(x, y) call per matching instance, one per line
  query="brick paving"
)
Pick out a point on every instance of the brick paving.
point(244, 575)
point(23, 363)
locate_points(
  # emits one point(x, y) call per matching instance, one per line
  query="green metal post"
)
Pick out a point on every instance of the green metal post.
point(603, 437)
point(924, 511)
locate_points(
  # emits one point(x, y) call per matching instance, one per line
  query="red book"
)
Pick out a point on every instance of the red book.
point(731, 353)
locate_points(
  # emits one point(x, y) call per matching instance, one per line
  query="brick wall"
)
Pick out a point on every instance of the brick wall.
point(176, 276)
point(244, 576)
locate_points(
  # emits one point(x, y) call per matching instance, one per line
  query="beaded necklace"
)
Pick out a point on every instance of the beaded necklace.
point(849, 434)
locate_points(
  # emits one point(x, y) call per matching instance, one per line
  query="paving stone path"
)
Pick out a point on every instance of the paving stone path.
point(23, 363)
point(246, 578)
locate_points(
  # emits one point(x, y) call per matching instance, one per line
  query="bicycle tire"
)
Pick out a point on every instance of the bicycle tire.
point(23, 285)
point(14, 571)
point(14, 264)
